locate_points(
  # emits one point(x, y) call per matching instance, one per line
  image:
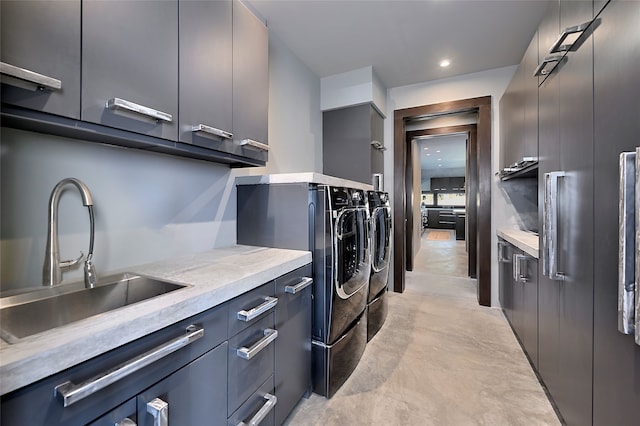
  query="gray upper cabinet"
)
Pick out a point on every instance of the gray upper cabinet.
point(40, 45)
point(206, 73)
point(250, 83)
point(349, 143)
point(130, 65)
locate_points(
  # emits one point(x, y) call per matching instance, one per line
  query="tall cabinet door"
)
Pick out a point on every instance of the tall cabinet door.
point(205, 73)
point(616, 391)
point(575, 216)
point(130, 65)
point(42, 37)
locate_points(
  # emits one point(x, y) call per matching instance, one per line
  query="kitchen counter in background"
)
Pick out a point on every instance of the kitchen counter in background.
point(213, 277)
point(302, 178)
point(524, 240)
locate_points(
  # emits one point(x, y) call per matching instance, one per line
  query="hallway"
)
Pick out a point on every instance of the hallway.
point(440, 359)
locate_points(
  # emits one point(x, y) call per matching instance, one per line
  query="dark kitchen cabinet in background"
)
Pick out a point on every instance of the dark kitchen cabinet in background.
point(42, 37)
point(447, 184)
point(250, 82)
point(130, 52)
point(347, 148)
point(616, 363)
point(206, 74)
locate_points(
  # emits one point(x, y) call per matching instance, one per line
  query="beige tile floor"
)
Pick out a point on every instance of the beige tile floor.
point(440, 359)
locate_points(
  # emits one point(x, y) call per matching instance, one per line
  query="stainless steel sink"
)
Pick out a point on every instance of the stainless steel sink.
point(45, 309)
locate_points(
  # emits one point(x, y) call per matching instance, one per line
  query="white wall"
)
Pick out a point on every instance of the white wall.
point(148, 206)
point(487, 83)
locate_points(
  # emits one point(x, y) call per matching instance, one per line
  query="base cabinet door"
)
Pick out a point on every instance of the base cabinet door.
point(529, 336)
point(505, 256)
point(293, 347)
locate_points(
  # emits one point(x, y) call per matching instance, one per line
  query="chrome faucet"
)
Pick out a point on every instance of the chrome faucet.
point(53, 266)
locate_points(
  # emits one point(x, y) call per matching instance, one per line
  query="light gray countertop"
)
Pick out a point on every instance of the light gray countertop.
point(213, 277)
point(309, 177)
point(524, 240)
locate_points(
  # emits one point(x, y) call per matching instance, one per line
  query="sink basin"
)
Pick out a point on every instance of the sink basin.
point(48, 308)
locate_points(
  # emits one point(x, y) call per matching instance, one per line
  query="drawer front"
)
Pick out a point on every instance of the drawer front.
point(247, 309)
point(246, 375)
point(259, 407)
point(37, 404)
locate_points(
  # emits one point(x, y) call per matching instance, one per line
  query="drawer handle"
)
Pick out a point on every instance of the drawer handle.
point(69, 393)
point(626, 242)
point(126, 422)
point(159, 409)
point(115, 103)
point(272, 400)
point(254, 144)
point(269, 303)
point(541, 70)
point(559, 47)
point(40, 80)
point(269, 336)
point(517, 263)
point(304, 283)
point(501, 258)
point(203, 128)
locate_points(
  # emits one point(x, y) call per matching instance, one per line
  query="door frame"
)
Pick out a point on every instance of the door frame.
point(401, 148)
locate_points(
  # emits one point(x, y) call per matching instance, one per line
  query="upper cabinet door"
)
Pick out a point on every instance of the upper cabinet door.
point(40, 54)
point(205, 73)
point(130, 65)
point(250, 82)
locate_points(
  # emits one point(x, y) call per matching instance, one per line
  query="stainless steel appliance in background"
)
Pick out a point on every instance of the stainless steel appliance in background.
point(380, 211)
point(333, 223)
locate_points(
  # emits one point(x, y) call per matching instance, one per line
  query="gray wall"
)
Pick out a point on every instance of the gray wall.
point(148, 206)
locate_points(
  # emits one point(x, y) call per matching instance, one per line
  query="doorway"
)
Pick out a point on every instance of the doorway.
point(479, 182)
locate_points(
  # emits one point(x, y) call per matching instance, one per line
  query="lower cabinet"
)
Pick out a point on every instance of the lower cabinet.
point(518, 289)
point(247, 360)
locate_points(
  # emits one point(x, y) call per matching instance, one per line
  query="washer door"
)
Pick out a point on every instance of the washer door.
point(380, 237)
point(352, 261)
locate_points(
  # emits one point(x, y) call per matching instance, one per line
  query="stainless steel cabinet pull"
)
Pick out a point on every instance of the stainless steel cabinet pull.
point(626, 243)
point(269, 336)
point(269, 303)
point(637, 196)
point(501, 258)
point(114, 103)
point(559, 47)
point(126, 422)
point(304, 283)
point(69, 393)
point(518, 276)
point(40, 80)
point(254, 144)
point(550, 226)
point(159, 409)
point(203, 128)
point(272, 400)
point(541, 69)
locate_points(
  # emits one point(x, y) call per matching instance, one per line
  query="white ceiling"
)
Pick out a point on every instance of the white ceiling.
point(404, 40)
point(442, 152)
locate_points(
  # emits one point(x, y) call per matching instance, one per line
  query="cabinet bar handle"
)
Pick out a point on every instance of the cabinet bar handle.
point(247, 353)
point(637, 280)
point(40, 80)
point(541, 69)
point(550, 226)
point(626, 243)
point(559, 47)
point(272, 400)
point(501, 259)
point(254, 144)
point(159, 409)
point(304, 283)
point(269, 303)
point(114, 103)
point(126, 422)
point(212, 131)
point(517, 263)
point(69, 393)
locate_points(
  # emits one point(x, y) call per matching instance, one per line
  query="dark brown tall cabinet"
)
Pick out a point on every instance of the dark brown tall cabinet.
point(352, 146)
point(588, 114)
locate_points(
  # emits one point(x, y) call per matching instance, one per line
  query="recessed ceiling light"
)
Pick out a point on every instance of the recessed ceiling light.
point(428, 155)
point(445, 63)
point(426, 147)
point(438, 151)
point(439, 165)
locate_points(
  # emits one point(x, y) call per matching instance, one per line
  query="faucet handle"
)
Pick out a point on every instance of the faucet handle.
point(66, 264)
